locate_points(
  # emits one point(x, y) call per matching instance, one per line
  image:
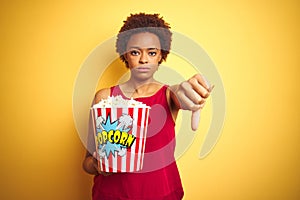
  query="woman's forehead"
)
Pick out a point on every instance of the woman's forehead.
point(144, 40)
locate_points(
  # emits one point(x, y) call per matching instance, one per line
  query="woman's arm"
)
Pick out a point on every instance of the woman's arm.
point(90, 163)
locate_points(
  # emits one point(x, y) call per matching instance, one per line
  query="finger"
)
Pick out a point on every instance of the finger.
point(106, 173)
point(97, 167)
point(201, 90)
point(202, 105)
point(211, 88)
point(194, 97)
point(202, 81)
point(95, 155)
point(187, 104)
point(195, 119)
point(191, 93)
point(101, 172)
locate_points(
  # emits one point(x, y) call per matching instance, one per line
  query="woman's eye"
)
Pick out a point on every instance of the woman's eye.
point(152, 53)
point(134, 53)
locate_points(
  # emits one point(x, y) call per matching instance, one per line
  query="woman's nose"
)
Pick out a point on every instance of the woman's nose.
point(143, 58)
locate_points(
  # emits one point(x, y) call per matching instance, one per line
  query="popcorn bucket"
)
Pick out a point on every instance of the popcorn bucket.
point(120, 136)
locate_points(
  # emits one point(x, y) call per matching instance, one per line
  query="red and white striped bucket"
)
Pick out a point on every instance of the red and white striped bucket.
point(120, 147)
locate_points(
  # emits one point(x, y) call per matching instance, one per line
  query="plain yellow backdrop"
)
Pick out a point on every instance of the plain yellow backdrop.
point(254, 44)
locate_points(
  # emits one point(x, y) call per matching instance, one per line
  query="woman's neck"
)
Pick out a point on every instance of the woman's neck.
point(133, 88)
point(139, 84)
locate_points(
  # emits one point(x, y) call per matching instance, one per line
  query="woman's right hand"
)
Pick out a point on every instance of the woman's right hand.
point(90, 165)
point(96, 166)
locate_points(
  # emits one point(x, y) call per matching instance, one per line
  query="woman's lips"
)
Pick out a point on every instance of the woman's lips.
point(143, 69)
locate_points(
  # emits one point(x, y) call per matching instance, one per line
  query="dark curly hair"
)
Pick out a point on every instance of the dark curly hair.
point(137, 23)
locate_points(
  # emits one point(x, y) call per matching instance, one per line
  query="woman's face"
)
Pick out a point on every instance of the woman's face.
point(143, 54)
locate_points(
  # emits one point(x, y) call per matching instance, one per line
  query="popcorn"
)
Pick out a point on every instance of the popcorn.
point(118, 101)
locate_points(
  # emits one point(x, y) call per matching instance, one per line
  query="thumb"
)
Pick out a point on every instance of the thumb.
point(95, 155)
point(195, 119)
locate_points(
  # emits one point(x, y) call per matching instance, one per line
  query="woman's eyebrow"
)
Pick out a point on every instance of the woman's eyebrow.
point(153, 48)
point(139, 48)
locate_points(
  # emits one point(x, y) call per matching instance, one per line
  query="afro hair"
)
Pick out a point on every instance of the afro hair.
point(137, 23)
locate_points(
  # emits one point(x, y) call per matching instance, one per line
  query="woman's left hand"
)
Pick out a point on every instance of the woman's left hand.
point(192, 95)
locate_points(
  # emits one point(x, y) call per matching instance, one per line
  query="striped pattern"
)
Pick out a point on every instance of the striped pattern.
point(133, 159)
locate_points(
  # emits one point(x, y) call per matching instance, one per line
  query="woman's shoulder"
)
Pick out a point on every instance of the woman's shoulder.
point(101, 94)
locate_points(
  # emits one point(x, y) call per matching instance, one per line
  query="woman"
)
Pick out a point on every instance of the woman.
point(143, 43)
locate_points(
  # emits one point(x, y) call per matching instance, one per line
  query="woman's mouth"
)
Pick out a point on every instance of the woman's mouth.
point(143, 69)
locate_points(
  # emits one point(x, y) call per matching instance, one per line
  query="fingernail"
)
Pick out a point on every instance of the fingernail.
point(211, 88)
point(206, 82)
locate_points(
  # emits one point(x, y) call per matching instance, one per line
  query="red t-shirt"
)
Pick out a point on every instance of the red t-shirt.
point(159, 179)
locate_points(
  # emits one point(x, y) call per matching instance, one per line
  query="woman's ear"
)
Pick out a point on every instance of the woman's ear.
point(125, 56)
point(125, 60)
point(160, 57)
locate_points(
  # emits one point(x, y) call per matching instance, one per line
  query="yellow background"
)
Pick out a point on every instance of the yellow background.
point(255, 47)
